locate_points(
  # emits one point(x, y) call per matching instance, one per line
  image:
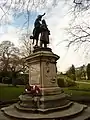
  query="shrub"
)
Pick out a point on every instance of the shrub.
point(6, 80)
point(60, 82)
point(69, 83)
point(64, 81)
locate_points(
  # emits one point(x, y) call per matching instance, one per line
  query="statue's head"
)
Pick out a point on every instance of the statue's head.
point(44, 22)
point(39, 17)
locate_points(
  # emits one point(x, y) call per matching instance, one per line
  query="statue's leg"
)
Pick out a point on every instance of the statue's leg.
point(36, 42)
point(37, 37)
point(33, 41)
point(34, 35)
point(40, 43)
point(31, 37)
point(45, 45)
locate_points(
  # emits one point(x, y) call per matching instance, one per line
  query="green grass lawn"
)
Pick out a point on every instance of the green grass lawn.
point(76, 92)
point(81, 87)
point(10, 92)
point(80, 90)
point(84, 81)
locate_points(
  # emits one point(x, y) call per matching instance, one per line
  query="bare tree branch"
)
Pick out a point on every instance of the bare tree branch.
point(20, 7)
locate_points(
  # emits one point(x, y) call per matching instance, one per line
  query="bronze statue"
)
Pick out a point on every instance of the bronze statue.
point(37, 29)
point(44, 38)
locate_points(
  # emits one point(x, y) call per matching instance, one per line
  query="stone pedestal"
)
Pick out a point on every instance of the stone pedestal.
point(42, 69)
point(52, 103)
point(43, 73)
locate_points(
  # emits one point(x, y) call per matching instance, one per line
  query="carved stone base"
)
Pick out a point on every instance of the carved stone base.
point(68, 113)
point(52, 104)
point(50, 98)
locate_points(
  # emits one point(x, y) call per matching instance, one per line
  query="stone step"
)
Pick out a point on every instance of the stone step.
point(74, 110)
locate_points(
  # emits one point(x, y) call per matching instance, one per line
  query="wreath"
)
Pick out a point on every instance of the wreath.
point(33, 90)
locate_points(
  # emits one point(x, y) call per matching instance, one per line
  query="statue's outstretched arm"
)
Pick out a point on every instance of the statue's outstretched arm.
point(43, 14)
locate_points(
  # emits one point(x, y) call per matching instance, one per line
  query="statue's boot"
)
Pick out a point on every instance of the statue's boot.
point(33, 41)
point(32, 37)
point(36, 43)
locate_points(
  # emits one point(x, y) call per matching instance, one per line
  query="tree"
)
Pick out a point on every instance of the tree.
point(19, 8)
point(81, 73)
point(72, 69)
point(11, 62)
point(79, 28)
point(81, 5)
point(88, 71)
point(79, 35)
point(26, 45)
point(71, 73)
point(8, 51)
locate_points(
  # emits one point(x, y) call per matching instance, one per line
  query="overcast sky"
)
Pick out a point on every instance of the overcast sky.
point(57, 20)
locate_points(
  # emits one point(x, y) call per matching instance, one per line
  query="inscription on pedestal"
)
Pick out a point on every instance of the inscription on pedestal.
point(34, 74)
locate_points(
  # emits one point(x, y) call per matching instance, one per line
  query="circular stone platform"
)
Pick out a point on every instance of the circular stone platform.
point(73, 110)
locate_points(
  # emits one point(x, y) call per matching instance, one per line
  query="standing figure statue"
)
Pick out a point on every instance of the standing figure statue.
point(44, 38)
point(37, 29)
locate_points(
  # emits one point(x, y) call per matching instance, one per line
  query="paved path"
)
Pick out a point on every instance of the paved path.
point(9, 84)
point(82, 82)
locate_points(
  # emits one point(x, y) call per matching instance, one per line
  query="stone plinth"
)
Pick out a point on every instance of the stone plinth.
point(42, 68)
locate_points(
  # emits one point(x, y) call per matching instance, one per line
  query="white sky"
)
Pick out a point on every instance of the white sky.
point(57, 20)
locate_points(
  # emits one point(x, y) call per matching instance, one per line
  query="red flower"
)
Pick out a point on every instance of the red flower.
point(34, 90)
